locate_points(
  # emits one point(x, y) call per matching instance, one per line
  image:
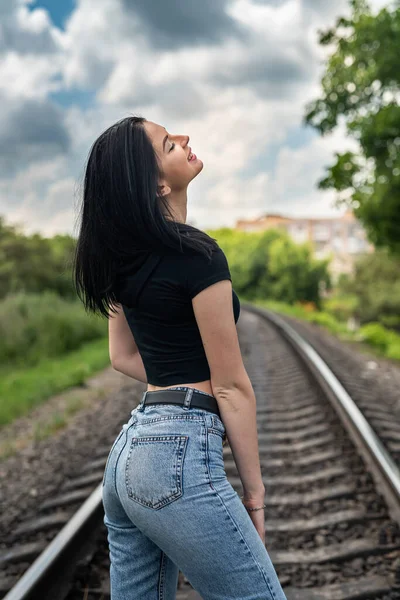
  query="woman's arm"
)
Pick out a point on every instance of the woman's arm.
point(121, 342)
point(132, 366)
point(123, 351)
point(230, 383)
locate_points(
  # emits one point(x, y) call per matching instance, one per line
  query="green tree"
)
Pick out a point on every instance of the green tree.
point(360, 87)
point(294, 275)
point(269, 264)
point(376, 285)
point(34, 263)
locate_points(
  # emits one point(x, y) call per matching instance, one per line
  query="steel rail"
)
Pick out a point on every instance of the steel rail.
point(27, 586)
point(383, 468)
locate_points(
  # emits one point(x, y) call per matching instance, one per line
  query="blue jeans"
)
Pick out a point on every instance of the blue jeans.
point(169, 506)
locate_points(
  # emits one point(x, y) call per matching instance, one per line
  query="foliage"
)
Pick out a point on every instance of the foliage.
point(377, 335)
point(270, 265)
point(34, 264)
point(376, 285)
point(27, 387)
point(360, 87)
point(36, 326)
point(298, 311)
point(383, 340)
point(341, 306)
point(393, 350)
point(328, 321)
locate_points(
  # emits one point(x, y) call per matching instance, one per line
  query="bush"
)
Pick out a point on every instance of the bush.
point(326, 320)
point(376, 285)
point(269, 264)
point(393, 350)
point(374, 334)
point(300, 312)
point(390, 321)
point(308, 307)
point(377, 335)
point(38, 326)
point(341, 307)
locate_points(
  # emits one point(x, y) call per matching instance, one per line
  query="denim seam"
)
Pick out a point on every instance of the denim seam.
point(171, 418)
point(117, 461)
point(263, 573)
point(169, 404)
point(161, 581)
point(216, 431)
point(119, 436)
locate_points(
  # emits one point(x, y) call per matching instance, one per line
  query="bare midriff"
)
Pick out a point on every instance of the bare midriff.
point(204, 386)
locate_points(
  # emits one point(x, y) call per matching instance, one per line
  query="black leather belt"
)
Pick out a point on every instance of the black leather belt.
point(172, 396)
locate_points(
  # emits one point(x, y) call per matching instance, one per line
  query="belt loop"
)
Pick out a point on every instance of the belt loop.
point(142, 402)
point(188, 398)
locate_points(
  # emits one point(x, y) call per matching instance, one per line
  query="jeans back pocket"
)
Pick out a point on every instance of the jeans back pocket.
point(153, 470)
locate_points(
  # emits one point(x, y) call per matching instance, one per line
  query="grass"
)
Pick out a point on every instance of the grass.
point(23, 389)
point(370, 338)
point(58, 420)
point(298, 311)
point(44, 429)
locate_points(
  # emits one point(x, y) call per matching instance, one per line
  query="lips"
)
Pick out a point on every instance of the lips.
point(191, 156)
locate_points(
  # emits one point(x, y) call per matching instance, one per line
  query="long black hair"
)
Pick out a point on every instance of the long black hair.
point(121, 214)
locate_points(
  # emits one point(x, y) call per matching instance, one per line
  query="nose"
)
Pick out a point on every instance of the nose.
point(184, 138)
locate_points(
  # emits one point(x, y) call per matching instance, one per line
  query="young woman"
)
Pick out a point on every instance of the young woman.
point(166, 289)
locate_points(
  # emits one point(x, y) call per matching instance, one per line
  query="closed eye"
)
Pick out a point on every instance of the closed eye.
point(173, 146)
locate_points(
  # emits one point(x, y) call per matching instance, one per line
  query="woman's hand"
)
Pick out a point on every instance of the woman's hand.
point(257, 516)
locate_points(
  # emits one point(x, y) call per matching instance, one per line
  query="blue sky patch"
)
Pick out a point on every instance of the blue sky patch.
point(66, 98)
point(59, 10)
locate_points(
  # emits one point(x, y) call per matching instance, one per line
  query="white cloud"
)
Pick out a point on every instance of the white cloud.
point(236, 98)
point(228, 200)
point(293, 189)
point(93, 41)
point(31, 76)
point(47, 209)
point(28, 184)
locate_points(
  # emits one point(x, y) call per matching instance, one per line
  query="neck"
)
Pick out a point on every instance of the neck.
point(177, 204)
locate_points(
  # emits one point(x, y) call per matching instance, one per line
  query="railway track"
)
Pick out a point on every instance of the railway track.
point(332, 492)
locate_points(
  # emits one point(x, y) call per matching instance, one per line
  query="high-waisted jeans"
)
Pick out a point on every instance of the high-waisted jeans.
point(169, 506)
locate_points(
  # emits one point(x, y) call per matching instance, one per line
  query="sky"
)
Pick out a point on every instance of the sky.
point(233, 75)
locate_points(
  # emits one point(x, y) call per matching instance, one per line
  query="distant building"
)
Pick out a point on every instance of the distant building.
point(342, 238)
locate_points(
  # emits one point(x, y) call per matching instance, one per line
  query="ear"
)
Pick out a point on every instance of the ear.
point(163, 190)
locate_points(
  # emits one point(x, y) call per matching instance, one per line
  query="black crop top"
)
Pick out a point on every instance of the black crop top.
point(156, 298)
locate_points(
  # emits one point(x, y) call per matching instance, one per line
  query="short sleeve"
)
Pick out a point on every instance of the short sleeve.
point(202, 272)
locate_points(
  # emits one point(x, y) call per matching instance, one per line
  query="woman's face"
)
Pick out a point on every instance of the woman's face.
point(173, 152)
